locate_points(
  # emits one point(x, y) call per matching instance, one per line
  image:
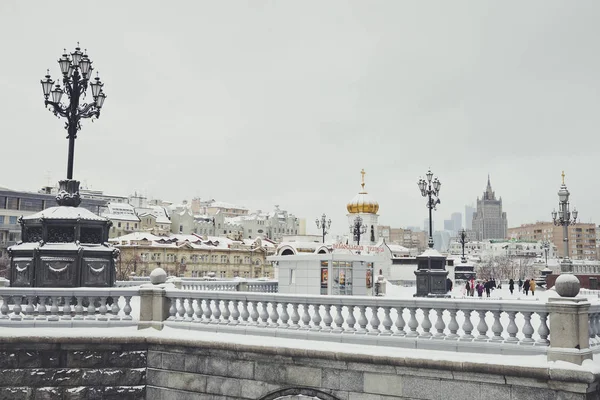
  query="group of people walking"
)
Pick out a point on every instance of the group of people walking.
point(490, 284)
point(525, 287)
point(471, 287)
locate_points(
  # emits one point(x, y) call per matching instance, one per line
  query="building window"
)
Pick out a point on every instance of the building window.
point(32, 205)
point(224, 260)
point(12, 220)
point(1, 219)
point(119, 224)
point(12, 203)
point(2, 202)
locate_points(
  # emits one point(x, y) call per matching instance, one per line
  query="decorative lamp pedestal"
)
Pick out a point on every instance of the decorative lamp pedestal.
point(431, 275)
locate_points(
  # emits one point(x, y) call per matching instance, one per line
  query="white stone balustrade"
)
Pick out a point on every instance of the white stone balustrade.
point(506, 327)
point(204, 285)
point(32, 307)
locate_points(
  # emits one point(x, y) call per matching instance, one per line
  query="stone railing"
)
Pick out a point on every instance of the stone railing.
point(507, 327)
point(35, 307)
point(270, 286)
point(469, 325)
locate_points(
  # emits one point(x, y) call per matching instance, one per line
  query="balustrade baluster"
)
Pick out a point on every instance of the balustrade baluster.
point(189, 312)
point(387, 322)
point(226, 313)
point(327, 319)
point(115, 309)
point(273, 315)
point(305, 317)
point(180, 308)
point(316, 318)
point(413, 324)
point(264, 315)
point(173, 309)
point(351, 321)
point(375, 322)
point(198, 311)
point(295, 317)
point(482, 326)
point(53, 308)
point(207, 311)
point(235, 313)
point(216, 312)
point(284, 316)
point(497, 327)
point(527, 328)
point(79, 309)
point(467, 325)
point(338, 320)
point(254, 313)
point(102, 309)
point(400, 323)
point(512, 328)
point(591, 329)
point(16, 315)
point(543, 330)
point(4, 308)
point(440, 326)
point(362, 321)
point(453, 325)
point(91, 308)
point(127, 309)
point(29, 309)
point(66, 308)
point(426, 324)
point(42, 310)
point(245, 314)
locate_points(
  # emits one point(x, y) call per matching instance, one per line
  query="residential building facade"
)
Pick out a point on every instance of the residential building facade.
point(582, 238)
point(489, 221)
point(193, 256)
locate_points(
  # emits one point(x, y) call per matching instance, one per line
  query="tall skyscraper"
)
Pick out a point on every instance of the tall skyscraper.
point(489, 221)
point(457, 221)
point(469, 211)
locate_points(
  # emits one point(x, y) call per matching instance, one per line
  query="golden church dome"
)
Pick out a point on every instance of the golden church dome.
point(362, 202)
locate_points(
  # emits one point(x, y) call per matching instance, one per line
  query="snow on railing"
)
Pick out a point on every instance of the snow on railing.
point(67, 306)
point(270, 286)
point(443, 324)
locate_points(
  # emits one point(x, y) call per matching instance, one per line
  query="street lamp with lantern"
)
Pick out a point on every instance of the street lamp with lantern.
point(563, 218)
point(430, 188)
point(546, 248)
point(76, 69)
point(324, 224)
point(357, 229)
point(462, 239)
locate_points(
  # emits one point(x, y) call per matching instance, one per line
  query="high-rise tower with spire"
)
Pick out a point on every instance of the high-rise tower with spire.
point(489, 221)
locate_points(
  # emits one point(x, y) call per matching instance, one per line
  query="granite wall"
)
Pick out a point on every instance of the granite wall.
point(158, 368)
point(39, 369)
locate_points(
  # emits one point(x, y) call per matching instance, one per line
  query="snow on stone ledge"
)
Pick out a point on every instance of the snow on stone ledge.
point(65, 212)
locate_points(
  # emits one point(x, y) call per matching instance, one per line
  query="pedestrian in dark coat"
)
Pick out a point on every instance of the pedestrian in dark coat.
point(520, 284)
point(468, 289)
point(526, 287)
point(511, 286)
point(488, 287)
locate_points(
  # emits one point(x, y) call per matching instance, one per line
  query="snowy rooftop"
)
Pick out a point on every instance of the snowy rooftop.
point(65, 212)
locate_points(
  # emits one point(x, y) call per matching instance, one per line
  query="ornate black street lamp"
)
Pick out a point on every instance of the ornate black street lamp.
point(357, 229)
point(462, 239)
point(546, 248)
point(563, 218)
point(76, 70)
point(324, 224)
point(431, 189)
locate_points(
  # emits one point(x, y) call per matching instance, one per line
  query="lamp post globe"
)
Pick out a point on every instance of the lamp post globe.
point(76, 69)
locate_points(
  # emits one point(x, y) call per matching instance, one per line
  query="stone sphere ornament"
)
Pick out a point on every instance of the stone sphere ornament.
point(158, 276)
point(567, 285)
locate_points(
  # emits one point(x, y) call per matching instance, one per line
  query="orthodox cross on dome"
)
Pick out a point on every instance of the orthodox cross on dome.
point(563, 177)
point(362, 184)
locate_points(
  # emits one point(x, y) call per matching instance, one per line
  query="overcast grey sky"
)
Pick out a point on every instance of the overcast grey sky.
point(262, 103)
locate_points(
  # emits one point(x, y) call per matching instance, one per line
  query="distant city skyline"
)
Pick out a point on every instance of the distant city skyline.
point(262, 110)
